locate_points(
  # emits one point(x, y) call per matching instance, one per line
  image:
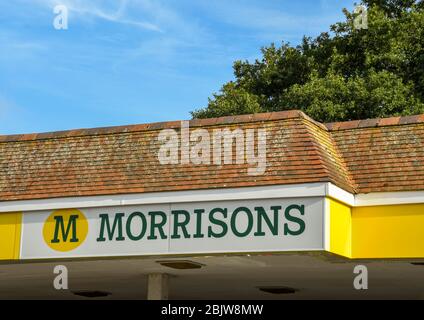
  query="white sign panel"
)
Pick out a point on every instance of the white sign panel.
point(254, 226)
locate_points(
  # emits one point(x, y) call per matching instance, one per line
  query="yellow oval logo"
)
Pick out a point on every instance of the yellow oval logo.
point(65, 230)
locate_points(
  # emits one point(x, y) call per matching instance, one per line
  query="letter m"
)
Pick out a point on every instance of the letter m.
point(106, 228)
point(60, 226)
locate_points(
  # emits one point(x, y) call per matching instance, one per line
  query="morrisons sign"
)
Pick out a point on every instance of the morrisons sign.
point(215, 227)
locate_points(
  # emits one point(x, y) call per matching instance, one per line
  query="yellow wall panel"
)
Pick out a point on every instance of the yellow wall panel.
point(340, 228)
point(10, 235)
point(388, 231)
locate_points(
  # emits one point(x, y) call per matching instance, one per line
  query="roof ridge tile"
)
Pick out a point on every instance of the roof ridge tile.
point(375, 123)
point(330, 157)
point(249, 118)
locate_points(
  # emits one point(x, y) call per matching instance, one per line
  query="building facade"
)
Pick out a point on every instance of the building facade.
point(265, 193)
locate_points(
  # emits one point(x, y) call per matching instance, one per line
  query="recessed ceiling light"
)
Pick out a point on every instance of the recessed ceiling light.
point(91, 294)
point(278, 290)
point(181, 264)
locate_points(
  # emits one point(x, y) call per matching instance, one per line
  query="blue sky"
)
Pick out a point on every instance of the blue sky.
point(135, 61)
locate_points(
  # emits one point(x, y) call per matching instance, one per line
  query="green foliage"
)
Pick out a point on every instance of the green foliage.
point(231, 100)
point(393, 8)
point(334, 98)
point(352, 74)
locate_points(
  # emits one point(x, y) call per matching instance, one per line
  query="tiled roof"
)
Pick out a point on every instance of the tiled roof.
point(383, 155)
point(360, 156)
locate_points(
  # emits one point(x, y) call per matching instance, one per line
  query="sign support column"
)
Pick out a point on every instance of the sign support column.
point(158, 286)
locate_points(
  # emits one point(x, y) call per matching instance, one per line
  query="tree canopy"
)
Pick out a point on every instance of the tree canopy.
point(343, 74)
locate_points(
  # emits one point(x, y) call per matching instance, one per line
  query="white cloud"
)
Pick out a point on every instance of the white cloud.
point(266, 19)
point(14, 47)
point(115, 11)
point(174, 33)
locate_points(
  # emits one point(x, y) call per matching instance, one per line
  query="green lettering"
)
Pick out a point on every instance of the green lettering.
point(199, 234)
point(249, 222)
point(178, 224)
point(262, 215)
point(65, 233)
point(157, 225)
point(222, 224)
point(105, 224)
point(293, 219)
point(143, 226)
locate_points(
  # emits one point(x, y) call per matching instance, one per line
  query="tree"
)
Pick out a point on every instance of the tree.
point(343, 74)
point(392, 8)
point(231, 100)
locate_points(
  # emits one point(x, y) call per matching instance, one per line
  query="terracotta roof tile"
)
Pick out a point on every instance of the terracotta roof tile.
point(379, 122)
point(348, 125)
point(385, 156)
point(389, 121)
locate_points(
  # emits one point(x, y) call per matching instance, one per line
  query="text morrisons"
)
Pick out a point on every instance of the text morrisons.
point(202, 223)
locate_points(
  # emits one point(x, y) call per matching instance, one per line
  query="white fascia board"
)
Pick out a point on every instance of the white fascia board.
point(324, 189)
point(339, 194)
point(247, 193)
point(389, 198)
point(375, 198)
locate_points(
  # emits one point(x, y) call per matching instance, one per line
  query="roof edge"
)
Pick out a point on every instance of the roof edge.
point(375, 123)
point(259, 117)
point(249, 118)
